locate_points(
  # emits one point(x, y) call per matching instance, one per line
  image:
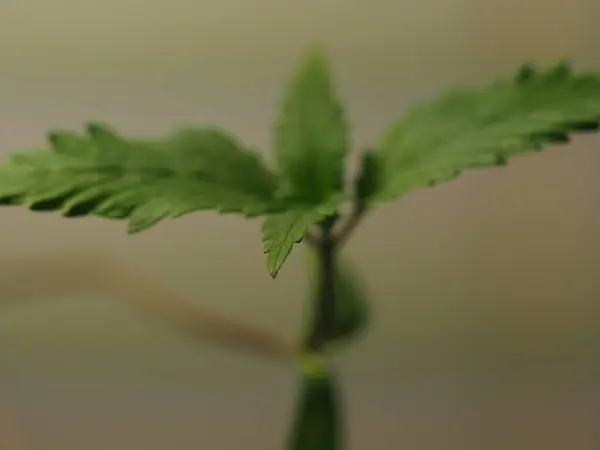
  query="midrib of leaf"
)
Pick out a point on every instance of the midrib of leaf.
point(112, 173)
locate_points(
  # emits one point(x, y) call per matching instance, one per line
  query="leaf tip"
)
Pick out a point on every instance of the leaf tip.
point(94, 129)
point(561, 70)
point(316, 50)
point(273, 266)
point(53, 138)
point(525, 73)
point(587, 126)
point(314, 59)
point(500, 160)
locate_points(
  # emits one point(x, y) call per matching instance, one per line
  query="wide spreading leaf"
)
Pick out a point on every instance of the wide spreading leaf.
point(101, 173)
point(310, 139)
point(283, 230)
point(468, 128)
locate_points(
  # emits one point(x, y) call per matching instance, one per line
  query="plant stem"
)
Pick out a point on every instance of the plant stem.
point(325, 307)
point(350, 224)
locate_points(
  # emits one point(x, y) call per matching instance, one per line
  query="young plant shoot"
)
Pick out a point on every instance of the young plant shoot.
point(143, 181)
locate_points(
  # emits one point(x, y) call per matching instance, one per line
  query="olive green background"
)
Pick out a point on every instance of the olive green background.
point(485, 290)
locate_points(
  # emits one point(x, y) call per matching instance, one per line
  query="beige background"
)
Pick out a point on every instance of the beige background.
point(485, 289)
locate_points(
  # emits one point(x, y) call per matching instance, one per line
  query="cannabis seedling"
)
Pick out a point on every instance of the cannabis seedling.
point(104, 174)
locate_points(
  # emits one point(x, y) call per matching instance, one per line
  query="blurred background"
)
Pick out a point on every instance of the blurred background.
point(484, 290)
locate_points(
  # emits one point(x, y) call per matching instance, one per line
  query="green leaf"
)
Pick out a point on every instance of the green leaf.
point(469, 128)
point(351, 310)
point(310, 138)
point(282, 231)
point(101, 173)
point(318, 421)
point(310, 141)
point(368, 181)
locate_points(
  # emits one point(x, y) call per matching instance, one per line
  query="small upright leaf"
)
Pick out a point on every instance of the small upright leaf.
point(283, 230)
point(101, 173)
point(310, 141)
point(469, 128)
point(310, 138)
point(351, 307)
